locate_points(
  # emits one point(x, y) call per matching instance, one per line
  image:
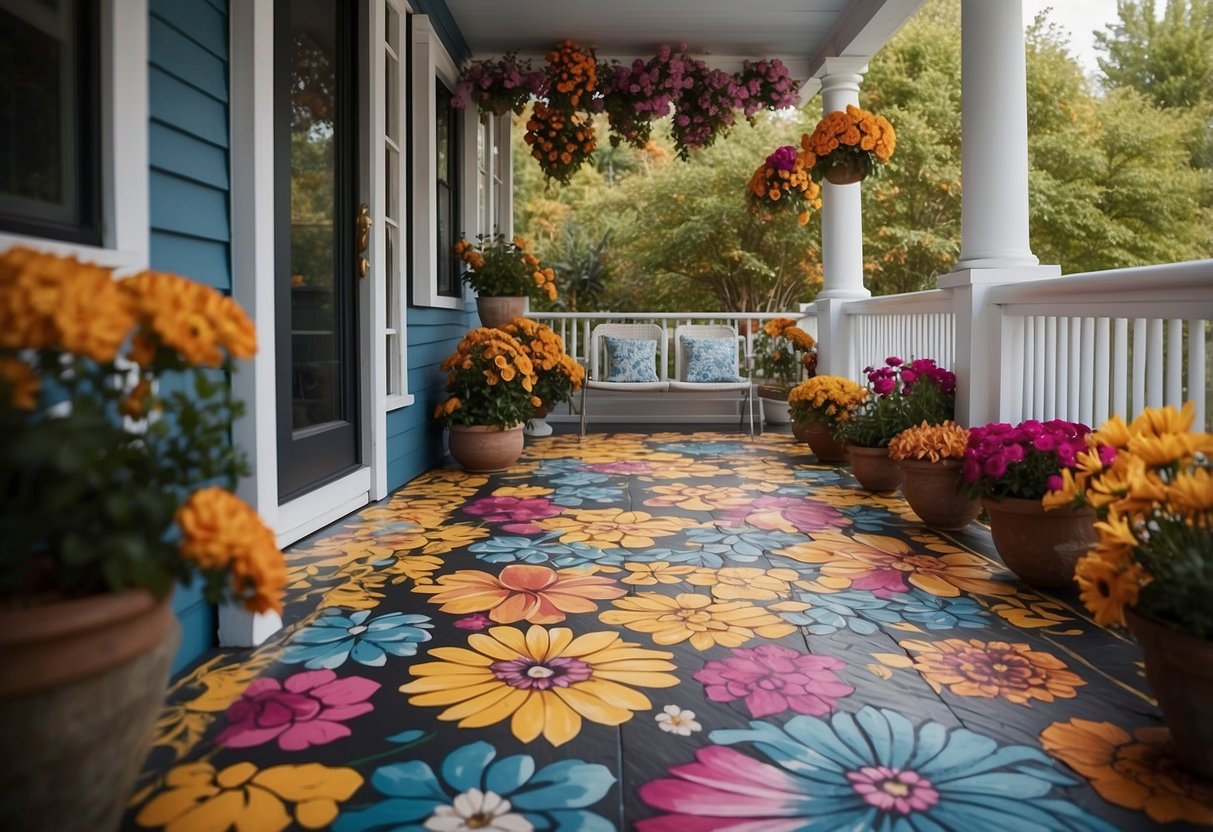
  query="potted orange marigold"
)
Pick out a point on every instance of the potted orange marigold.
point(931, 458)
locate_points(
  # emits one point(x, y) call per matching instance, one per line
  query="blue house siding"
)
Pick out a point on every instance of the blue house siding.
point(414, 439)
point(189, 186)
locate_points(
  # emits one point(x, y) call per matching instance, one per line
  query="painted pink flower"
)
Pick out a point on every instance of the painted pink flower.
point(516, 513)
point(893, 790)
point(778, 513)
point(882, 582)
point(476, 621)
point(307, 709)
point(723, 783)
point(773, 679)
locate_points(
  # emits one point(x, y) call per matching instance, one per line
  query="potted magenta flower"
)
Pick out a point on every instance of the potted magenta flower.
point(1012, 468)
point(901, 396)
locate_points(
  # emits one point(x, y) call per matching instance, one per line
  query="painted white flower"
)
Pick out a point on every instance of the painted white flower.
point(674, 720)
point(477, 811)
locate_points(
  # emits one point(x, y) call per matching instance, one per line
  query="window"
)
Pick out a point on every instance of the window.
point(494, 212)
point(393, 60)
point(446, 166)
point(437, 150)
point(74, 128)
point(50, 120)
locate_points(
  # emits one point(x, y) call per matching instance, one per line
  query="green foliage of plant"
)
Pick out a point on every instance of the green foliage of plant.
point(490, 381)
point(1168, 59)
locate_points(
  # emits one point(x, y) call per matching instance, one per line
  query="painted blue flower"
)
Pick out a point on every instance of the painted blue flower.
point(515, 549)
point(337, 635)
point(579, 479)
point(694, 557)
point(743, 544)
point(577, 495)
point(870, 518)
point(732, 449)
point(862, 612)
point(502, 794)
point(871, 770)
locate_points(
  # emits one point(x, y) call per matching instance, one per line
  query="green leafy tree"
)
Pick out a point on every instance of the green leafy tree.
point(1168, 59)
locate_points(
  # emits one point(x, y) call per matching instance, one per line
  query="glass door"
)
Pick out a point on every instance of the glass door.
point(316, 246)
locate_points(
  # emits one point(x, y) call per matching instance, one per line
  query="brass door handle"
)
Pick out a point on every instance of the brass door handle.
point(363, 226)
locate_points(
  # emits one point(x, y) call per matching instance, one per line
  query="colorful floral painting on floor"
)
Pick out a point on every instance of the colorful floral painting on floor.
point(668, 633)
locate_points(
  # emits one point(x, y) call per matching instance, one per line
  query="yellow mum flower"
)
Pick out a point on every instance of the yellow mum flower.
point(544, 681)
point(698, 619)
point(1106, 589)
point(22, 381)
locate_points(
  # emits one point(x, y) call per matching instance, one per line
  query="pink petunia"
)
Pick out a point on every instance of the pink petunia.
point(307, 709)
point(772, 679)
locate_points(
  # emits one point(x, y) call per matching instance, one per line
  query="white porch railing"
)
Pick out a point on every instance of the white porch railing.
point(1079, 347)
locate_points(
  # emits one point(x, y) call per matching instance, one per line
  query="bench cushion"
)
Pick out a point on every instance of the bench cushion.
point(710, 360)
point(630, 359)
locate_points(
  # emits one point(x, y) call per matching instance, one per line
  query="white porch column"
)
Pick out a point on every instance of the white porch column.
point(994, 245)
point(841, 214)
point(841, 231)
point(994, 136)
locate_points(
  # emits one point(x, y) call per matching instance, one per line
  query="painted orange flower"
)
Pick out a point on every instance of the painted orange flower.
point(544, 681)
point(887, 565)
point(611, 528)
point(697, 497)
point(1137, 772)
point(993, 669)
point(522, 592)
point(695, 618)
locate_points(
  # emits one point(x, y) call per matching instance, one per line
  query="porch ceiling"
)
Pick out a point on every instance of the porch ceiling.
point(803, 33)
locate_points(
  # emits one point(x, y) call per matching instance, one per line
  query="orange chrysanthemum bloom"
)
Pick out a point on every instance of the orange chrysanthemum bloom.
point(930, 442)
point(219, 531)
point(194, 320)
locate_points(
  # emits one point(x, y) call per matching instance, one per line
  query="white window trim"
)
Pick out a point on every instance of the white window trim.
point(430, 61)
point(124, 146)
point(404, 398)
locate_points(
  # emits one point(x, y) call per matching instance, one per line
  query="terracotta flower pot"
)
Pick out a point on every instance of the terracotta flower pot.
point(1041, 547)
point(484, 449)
point(845, 174)
point(816, 434)
point(1179, 668)
point(497, 312)
point(81, 685)
point(933, 490)
point(873, 468)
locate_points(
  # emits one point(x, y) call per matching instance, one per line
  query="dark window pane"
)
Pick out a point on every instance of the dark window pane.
point(49, 140)
point(447, 166)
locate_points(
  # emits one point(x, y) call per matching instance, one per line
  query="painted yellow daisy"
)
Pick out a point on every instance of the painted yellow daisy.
point(696, 497)
point(544, 681)
point(657, 572)
point(695, 618)
point(737, 583)
point(887, 565)
point(611, 528)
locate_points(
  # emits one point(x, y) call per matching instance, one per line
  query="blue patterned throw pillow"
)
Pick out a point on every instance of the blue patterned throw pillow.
point(710, 360)
point(630, 359)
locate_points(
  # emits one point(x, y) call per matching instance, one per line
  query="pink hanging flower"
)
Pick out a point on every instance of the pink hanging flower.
point(307, 709)
point(773, 679)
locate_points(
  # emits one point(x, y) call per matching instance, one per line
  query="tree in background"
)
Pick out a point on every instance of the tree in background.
point(1169, 59)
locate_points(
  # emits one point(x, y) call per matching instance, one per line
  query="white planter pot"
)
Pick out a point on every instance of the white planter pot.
point(775, 411)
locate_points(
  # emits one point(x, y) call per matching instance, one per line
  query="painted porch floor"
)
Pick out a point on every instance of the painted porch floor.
point(663, 632)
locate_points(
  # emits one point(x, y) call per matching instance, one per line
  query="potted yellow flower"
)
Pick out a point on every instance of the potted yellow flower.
point(820, 408)
point(1151, 485)
point(930, 458)
point(846, 145)
point(491, 383)
point(783, 354)
point(559, 376)
point(504, 274)
point(102, 511)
